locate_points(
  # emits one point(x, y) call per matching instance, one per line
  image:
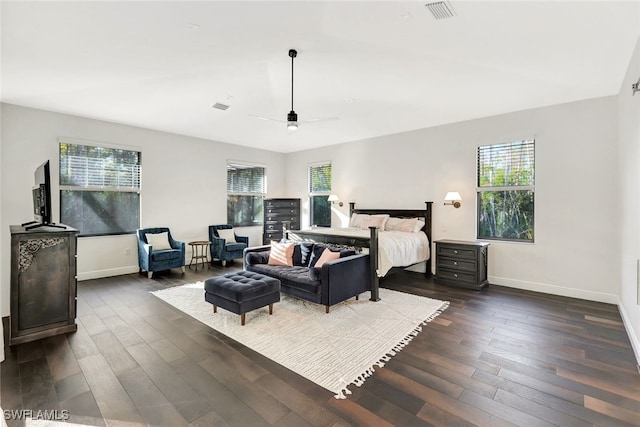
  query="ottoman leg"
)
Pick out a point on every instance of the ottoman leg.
point(242, 319)
point(215, 309)
point(271, 308)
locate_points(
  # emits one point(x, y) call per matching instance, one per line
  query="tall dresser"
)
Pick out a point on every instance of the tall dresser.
point(462, 263)
point(43, 283)
point(276, 211)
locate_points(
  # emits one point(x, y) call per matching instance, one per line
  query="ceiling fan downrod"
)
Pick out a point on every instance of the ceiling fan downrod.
point(292, 117)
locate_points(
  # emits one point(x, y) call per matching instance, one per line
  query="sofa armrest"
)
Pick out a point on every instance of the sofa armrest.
point(344, 278)
point(256, 249)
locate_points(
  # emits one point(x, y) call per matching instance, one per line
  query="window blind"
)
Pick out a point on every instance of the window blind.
point(99, 167)
point(245, 179)
point(506, 165)
point(320, 179)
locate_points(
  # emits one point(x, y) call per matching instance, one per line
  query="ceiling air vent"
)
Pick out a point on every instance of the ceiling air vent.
point(219, 106)
point(441, 9)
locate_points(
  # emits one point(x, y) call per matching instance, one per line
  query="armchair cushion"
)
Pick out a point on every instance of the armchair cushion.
point(227, 234)
point(159, 241)
point(164, 255)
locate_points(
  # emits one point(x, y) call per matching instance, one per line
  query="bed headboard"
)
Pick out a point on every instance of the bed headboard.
point(400, 213)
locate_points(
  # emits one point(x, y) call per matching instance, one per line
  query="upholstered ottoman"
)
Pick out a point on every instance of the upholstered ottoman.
point(242, 292)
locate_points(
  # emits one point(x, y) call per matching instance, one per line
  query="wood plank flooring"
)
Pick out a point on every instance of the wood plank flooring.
point(498, 357)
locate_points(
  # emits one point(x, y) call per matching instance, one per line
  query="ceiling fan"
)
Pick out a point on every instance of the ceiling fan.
point(292, 117)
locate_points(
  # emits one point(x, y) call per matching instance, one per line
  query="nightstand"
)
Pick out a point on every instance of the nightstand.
point(462, 263)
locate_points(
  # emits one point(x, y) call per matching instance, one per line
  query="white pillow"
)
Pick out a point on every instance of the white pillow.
point(419, 225)
point(227, 234)
point(159, 241)
point(378, 220)
point(392, 224)
point(356, 220)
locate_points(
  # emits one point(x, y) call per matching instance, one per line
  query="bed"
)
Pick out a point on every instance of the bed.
point(387, 249)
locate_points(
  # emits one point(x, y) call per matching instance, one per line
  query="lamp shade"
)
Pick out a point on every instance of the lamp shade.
point(452, 196)
point(333, 198)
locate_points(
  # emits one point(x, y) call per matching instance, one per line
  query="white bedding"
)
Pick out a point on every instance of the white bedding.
point(395, 248)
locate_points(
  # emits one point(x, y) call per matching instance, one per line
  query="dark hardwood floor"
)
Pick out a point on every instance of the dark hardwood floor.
point(496, 357)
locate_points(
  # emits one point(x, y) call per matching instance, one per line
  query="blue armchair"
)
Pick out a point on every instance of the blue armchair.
point(223, 250)
point(166, 254)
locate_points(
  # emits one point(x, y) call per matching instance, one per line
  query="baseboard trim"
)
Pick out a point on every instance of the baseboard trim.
point(99, 274)
point(631, 332)
point(556, 290)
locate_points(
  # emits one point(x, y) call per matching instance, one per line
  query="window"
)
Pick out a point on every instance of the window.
point(246, 188)
point(506, 191)
point(99, 189)
point(319, 191)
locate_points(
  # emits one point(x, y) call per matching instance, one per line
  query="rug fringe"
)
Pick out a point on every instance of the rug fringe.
point(342, 394)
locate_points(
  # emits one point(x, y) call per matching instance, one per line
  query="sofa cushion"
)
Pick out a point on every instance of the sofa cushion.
point(165, 255)
point(281, 254)
point(319, 249)
point(295, 277)
point(327, 255)
point(302, 253)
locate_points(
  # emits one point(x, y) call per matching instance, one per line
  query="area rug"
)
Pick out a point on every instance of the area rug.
point(333, 350)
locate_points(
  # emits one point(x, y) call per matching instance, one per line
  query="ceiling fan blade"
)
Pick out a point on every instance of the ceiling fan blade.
point(267, 119)
point(319, 119)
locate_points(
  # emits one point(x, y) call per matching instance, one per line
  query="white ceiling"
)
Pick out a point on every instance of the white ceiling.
point(381, 67)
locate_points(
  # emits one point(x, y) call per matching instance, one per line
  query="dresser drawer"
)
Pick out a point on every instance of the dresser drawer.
point(282, 204)
point(286, 216)
point(457, 252)
point(457, 264)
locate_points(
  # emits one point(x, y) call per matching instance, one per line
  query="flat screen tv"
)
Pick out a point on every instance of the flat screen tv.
point(41, 196)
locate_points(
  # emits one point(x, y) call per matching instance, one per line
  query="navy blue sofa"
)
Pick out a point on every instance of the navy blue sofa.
point(334, 282)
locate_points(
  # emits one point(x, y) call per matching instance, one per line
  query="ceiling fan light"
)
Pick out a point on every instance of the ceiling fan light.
point(292, 120)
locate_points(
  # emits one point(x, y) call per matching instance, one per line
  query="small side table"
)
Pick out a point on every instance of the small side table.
point(199, 250)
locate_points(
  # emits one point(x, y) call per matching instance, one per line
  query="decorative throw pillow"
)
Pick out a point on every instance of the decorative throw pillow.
point(327, 255)
point(227, 234)
point(418, 226)
point(281, 254)
point(159, 241)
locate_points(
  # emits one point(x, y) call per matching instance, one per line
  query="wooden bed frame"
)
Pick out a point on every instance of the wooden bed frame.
point(372, 241)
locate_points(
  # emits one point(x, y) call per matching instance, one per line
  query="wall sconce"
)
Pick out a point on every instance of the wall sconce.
point(453, 198)
point(334, 199)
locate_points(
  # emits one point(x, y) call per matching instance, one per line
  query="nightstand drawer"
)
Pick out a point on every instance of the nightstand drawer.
point(457, 276)
point(457, 252)
point(457, 264)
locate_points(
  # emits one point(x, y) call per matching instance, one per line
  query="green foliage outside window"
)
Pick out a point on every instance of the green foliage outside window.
point(319, 189)
point(506, 191)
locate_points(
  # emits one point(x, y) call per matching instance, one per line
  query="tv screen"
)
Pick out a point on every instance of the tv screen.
point(41, 195)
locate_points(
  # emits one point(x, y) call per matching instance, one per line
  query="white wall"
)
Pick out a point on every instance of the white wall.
point(183, 183)
point(629, 173)
point(576, 247)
